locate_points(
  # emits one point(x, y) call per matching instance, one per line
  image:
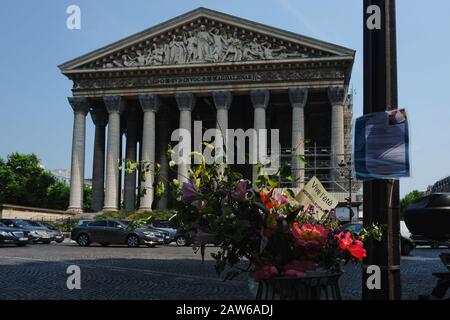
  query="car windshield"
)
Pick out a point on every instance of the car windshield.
point(23, 223)
point(134, 224)
point(34, 224)
point(164, 224)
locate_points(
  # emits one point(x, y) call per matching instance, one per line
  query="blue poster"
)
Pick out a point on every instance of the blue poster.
point(382, 146)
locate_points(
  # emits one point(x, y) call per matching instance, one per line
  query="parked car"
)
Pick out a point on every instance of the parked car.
point(15, 236)
point(84, 222)
point(35, 231)
point(429, 217)
point(57, 235)
point(423, 241)
point(165, 226)
point(406, 244)
point(182, 238)
point(107, 232)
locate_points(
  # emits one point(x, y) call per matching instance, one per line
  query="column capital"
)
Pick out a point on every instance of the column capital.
point(80, 104)
point(298, 96)
point(99, 117)
point(185, 101)
point(114, 104)
point(222, 99)
point(260, 98)
point(149, 102)
point(337, 95)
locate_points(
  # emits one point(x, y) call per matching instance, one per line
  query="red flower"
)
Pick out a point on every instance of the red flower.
point(357, 250)
point(355, 247)
point(344, 240)
point(267, 199)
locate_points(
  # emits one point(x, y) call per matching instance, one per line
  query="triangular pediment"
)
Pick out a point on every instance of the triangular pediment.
point(205, 36)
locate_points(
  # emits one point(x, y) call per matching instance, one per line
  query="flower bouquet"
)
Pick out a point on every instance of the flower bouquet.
point(260, 228)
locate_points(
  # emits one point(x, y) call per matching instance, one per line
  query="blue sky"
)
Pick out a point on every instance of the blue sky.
point(35, 116)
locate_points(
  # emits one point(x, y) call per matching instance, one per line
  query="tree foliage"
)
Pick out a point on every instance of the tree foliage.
point(24, 181)
point(413, 195)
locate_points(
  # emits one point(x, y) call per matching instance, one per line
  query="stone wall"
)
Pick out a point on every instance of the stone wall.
point(21, 212)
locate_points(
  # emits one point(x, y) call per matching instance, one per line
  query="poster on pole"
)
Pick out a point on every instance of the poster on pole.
point(382, 146)
point(314, 194)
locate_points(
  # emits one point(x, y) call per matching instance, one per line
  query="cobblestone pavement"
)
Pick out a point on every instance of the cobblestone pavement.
point(165, 272)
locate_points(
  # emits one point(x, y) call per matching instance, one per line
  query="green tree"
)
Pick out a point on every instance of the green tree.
point(413, 195)
point(24, 181)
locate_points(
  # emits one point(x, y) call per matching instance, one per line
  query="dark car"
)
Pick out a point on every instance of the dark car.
point(36, 232)
point(15, 236)
point(406, 244)
point(57, 235)
point(166, 227)
point(107, 232)
point(183, 238)
point(429, 217)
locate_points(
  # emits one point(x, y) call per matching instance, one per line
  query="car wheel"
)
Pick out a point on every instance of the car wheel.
point(133, 241)
point(151, 245)
point(46, 242)
point(59, 241)
point(21, 244)
point(104, 244)
point(83, 240)
point(181, 241)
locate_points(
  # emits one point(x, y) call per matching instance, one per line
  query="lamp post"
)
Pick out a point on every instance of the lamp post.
point(346, 167)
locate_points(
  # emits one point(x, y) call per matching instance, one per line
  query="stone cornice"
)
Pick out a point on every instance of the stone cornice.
point(251, 65)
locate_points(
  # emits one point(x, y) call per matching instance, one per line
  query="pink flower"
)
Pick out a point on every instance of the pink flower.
point(199, 204)
point(189, 192)
point(309, 235)
point(280, 199)
point(264, 272)
point(297, 268)
point(242, 187)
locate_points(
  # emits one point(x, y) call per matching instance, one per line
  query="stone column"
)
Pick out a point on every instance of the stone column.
point(163, 138)
point(80, 108)
point(260, 101)
point(186, 104)
point(100, 118)
point(222, 101)
point(150, 105)
point(298, 97)
point(131, 154)
point(115, 106)
point(337, 98)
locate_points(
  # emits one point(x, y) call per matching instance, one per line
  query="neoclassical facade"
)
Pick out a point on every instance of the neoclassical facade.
point(219, 69)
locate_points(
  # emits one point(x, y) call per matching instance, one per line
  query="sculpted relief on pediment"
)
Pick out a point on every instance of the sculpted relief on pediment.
point(203, 43)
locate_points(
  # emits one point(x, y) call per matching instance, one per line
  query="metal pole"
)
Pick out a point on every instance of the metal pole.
point(350, 192)
point(381, 197)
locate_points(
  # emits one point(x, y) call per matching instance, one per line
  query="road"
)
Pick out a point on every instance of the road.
point(165, 272)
